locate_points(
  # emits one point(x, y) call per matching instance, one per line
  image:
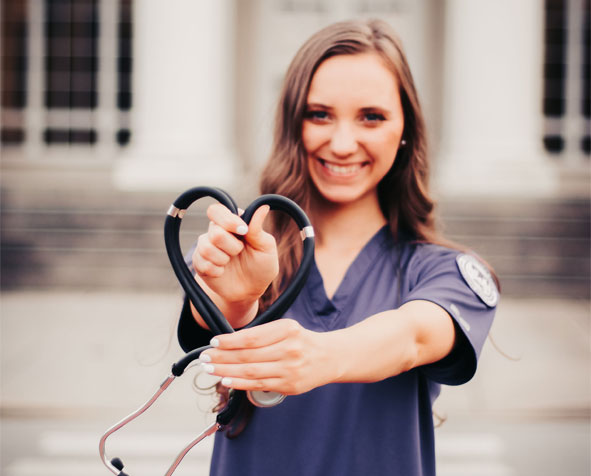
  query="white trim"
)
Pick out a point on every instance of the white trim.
point(34, 110)
point(105, 115)
point(573, 121)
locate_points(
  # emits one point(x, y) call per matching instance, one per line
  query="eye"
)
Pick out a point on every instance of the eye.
point(373, 117)
point(316, 115)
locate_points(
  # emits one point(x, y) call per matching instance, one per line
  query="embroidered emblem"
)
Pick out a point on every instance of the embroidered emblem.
point(478, 278)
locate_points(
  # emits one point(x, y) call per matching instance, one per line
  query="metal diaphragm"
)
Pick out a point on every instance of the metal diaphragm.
point(264, 399)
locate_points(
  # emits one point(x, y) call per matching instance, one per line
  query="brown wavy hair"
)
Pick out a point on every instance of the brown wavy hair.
point(403, 193)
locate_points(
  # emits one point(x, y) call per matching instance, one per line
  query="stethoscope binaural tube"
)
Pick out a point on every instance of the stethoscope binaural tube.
point(223, 418)
point(212, 316)
point(215, 320)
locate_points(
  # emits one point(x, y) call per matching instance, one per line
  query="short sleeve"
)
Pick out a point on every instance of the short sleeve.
point(469, 297)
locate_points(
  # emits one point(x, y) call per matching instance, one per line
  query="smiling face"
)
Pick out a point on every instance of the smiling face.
point(352, 127)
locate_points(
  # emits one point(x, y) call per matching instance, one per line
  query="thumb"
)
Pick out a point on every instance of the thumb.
point(256, 236)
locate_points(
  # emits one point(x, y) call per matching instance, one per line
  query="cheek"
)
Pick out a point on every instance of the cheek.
point(312, 137)
point(385, 147)
point(306, 139)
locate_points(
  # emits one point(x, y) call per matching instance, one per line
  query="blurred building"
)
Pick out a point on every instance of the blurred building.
point(110, 108)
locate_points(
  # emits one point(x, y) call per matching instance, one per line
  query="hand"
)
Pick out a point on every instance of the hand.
point(280, 356)
point(237, 271)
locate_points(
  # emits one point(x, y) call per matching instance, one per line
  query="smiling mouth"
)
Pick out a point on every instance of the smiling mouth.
point(342, 170)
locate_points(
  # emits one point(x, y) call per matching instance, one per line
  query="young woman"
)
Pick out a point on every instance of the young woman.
point(389, 311)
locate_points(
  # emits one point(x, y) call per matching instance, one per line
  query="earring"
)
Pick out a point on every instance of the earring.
point(402, 143)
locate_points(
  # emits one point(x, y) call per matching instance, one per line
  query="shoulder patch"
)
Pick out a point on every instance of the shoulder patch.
point(478, 278)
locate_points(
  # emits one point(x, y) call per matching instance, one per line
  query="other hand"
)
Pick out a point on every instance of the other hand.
point(280, 356)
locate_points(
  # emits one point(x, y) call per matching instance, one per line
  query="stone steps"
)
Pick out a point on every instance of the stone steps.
point(90, 240)
point(537, 247)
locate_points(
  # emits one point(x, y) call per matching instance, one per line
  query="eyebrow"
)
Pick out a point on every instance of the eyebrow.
point(384, 111)
point(318, 105)
point(381, 109)
point(363, 109)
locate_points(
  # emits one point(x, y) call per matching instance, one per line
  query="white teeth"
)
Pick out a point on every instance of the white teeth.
point(342, 169)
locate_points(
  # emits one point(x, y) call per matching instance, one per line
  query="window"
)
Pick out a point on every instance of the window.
point(71, 64)
point(14, 70)
point(566, 76)
point(586, 73)
point(124, 66)
point(66, 72)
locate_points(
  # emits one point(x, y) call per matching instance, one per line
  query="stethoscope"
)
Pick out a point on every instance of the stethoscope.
point(215, 320)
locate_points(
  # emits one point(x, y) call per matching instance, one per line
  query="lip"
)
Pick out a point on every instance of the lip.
point(341, 170)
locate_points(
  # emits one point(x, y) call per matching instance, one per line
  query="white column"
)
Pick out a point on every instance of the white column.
point(182, 106)
point(492, 94)
point(35, 111)
point(574, 123)
point(106, 113)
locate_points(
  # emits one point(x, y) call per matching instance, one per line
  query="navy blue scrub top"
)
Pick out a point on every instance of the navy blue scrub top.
point(382, 428)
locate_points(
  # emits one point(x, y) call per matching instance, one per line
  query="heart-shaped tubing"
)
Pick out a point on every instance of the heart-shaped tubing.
point(212, 316)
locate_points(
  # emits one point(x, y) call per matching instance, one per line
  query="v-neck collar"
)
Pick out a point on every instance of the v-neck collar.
point(327, 310)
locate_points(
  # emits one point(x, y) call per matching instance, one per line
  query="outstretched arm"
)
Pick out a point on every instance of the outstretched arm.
point(284, 357)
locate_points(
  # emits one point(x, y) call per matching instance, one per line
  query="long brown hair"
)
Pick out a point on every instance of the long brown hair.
point(403, 193)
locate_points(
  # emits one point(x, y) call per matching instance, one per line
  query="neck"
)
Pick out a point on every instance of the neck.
point(347, 225)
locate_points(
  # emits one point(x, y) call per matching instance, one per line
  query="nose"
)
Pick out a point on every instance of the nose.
point(343, 141)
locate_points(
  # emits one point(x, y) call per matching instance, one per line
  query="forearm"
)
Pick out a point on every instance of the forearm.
point(391, 342)
point(238, 314)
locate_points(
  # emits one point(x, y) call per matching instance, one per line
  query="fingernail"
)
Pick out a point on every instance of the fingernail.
point(226, 381)
point(205, 358)
point(242, 230)
point(214, 342)
point(208, 368)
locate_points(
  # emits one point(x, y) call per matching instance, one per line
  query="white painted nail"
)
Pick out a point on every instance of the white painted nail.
point(242, 230)
point(226, 381)
point(214, 342)
point(205, 358)
point(208, 368)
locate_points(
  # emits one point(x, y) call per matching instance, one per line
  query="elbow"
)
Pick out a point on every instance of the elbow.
point(411, 357)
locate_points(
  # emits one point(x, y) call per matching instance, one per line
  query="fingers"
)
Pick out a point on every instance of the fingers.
point(267, 357)
point(216, 247)
point(214, 250)
point(257, 371)
point(222, 216)
point(268, 376)
point(256, 236)
point(270, 353)
point(259, 336)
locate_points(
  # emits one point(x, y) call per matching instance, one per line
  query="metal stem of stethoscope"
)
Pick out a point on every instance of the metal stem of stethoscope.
point(215, 320)
point(115, 465)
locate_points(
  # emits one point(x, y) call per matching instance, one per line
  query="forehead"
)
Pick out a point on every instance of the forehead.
point(360, 77)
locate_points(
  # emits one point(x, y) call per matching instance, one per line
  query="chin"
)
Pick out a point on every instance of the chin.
point(341, 197)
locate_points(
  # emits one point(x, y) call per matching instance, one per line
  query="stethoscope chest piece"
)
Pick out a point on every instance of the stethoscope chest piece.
point(264, 399)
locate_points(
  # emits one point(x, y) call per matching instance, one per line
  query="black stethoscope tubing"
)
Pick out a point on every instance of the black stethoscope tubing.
point(212, 316)
point(208, 310)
